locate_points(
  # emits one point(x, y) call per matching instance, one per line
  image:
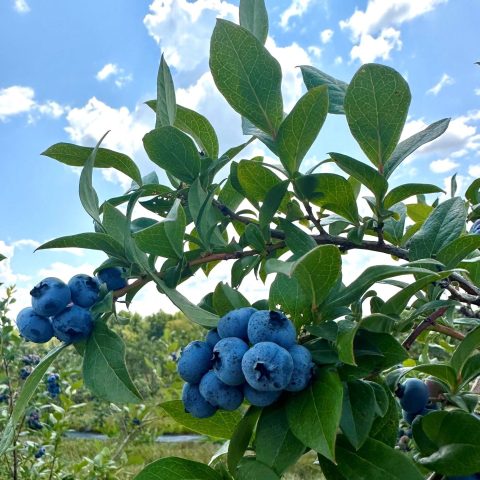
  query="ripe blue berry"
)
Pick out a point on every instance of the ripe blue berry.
point(302, 368)
point(194, 403)
point(267, 367)
point(113, 277)
point(227, 360)
point(31, 359)
point(195, 361)
point(25, 372)
point(73, 324)
point(413, 395)
point(50, 297)
point(235, 323)
point(84, 290)
point(218, 394)
point(40, 452)
point(212, 337)
point(33, 327)
point(260, 399)
point(271, 326)
point(475, 227)
point(33, 421)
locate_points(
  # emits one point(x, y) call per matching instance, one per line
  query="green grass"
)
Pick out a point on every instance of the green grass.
point(140, 454)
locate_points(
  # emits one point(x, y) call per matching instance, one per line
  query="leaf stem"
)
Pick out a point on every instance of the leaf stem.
point(422, 326)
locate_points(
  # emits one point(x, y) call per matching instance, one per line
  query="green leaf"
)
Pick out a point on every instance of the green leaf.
point(174, 151)
point(254, 17)
point(276, 446)
point(191, 311)
point(317, 272)
point(347, 330)
point(298, 241)
point(254, 237)
point(358, 412)
point(385, 429)
point(374, 461)
point(408, 146)
point(270, 206)
point(381, 399)
point(376, 106)
point(314, 414)
point(114, 222)
point(369, 277)
point(89, 241)
point(407, 190)
point(104, 369)
point(197, 126)
point(312, 77)
point(330, 191)
point(467, 346)
point(88, 195)
point(300, 128)
point(247, 75)
point(287, 295)
point(444, 224)
point(166, 105)
point(175, 468)
point(454, 252)
point(76, 156)
point(392, 228)
point(250, 469)
point(396, 304)
point(367, 175)
point(473, 192)
point(456, 436)
point(225, 299)
point(471, 369)
point(165, 239)
point(242, 267)
point(255, 180)
point(241, 438)
point(419, 212)
point(220, 425)
point(26, 394)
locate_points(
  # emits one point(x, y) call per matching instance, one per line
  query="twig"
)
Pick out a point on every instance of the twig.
point(451, 332)
point(422, 326)
point(311, 216)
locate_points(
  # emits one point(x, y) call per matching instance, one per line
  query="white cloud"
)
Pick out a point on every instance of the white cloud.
point(474, 170)
point(477, 91)
point(338, 60)
point(326, 35)
point(21, 6)
point(443, 82)
point(370, 48)
point(115, 72)
point(372, 27)
point(183, 28)
point(65, 271)
point(443, 165)
point(17, 99)
point(296, 9)
point(314, 51)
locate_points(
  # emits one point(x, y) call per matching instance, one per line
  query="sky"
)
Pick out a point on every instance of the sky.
point(70, 71)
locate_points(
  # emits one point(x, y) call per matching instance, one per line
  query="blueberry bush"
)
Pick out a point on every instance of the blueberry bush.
point(378, 388)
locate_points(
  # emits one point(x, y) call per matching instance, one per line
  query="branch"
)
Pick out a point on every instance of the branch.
point(422, 326)
point(451, 332)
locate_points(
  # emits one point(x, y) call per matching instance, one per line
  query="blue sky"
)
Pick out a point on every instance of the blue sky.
point(72, 70)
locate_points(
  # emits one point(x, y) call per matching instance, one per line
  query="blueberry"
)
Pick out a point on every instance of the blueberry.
point(195, 361)
point(25, 372)
point(302, 368)
point(31, 359)
point(235, 323)
point(4, 396)
point(136, 421)
point(73, 324)
point(34, 327)
point(212, 337)
point(271, 326)
point(218, 394)
point(84, 290)
point(53, 387)
point(40, 452)
point(113, 277)
point(33, 421)
point(50, 297)
point(267, 367)
point(227, 360)
point(413, 395)
point(194, 403)
point(260, 399)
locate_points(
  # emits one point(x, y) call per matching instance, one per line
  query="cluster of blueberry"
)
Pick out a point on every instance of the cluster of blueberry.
point(40, 452)
point(53, 386)
point(475, 227)
point(252, 354)
point(29, 361)
point(62, 310)
point(33, 420)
